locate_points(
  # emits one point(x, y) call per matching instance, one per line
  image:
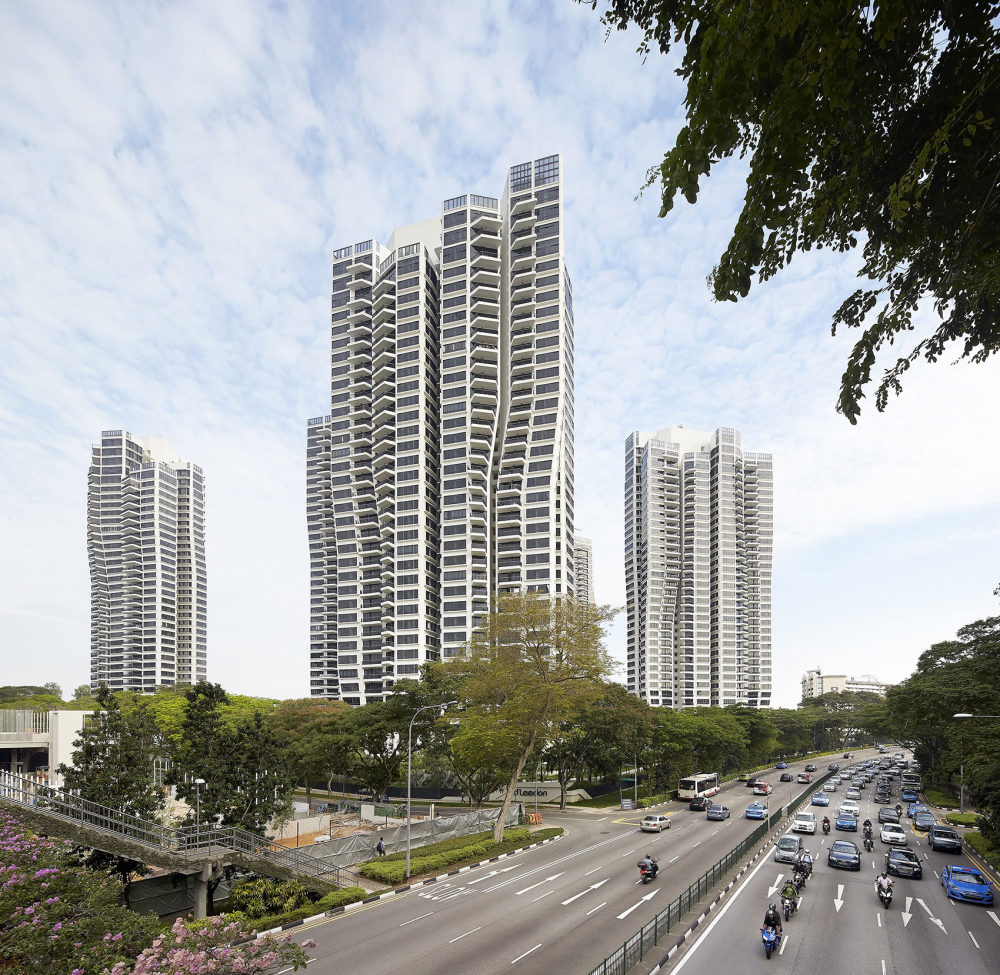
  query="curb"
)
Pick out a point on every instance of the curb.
point(401, 890)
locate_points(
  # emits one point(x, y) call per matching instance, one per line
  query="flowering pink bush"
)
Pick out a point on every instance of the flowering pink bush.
point(216, 947)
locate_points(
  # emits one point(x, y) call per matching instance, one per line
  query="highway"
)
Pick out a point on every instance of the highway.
point(559, 908)
point(841, 926)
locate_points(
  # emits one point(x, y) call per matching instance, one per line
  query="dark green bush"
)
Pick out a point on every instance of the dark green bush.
point(336, 898)
point(259, 896)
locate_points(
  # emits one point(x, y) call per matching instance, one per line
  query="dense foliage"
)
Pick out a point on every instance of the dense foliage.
point(863, 123)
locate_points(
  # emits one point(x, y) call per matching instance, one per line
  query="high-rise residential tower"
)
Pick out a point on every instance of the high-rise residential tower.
point(583, 552)
point(699, 527)
point(444, 470)
point(148, 582)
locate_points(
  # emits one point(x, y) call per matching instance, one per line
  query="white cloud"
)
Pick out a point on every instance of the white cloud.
point(174, 180)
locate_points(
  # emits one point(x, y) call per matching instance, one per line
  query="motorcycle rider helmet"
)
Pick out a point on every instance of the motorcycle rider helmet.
point(771, 907)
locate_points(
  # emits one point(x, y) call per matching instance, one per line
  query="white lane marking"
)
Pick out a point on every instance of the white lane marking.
point(672, 860)
point(878, 917)
point(606, 818)
point(546, 894)
point(626, 913)
point(412, 919)
point(540, 882)
point(493, 873)
point(599, 906)
point(589, 872)
point(993, 915)
point(784, 941)
point(971, 935)
point(630, 852)
point(582, 892)
point(714, 831)
point(525, 955)
point(467, 933)
point(696, 844)
point(883, 966)
point(719, 916)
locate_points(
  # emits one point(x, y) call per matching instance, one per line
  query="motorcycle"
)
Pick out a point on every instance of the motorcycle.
point(647, 873)
point(799, 878)
point(884, 895)
point(869, 842)
point(826, 827)
point(771, 940)
point(789, 906)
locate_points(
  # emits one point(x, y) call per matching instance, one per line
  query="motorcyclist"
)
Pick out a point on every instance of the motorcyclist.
point(867, 825)
point(650, 865)
point(805, 863)
point(899, 810)
point(790, 893)
point(826, 824)
point(883, 882)
point(772, 919)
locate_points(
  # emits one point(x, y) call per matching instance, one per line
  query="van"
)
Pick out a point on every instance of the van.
point(788, 848)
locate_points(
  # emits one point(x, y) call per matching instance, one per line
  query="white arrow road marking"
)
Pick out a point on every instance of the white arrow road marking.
point(625, 914)
point(993, 915)
point(540, 882)
point(777, 884)
point(906, 915)
point(493, 873)
point(937, 921)
point(467, 933)
point(519, 957)
point(837, 901)
point(412, 919)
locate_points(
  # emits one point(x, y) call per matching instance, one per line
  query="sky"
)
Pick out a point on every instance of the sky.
point(173, 179)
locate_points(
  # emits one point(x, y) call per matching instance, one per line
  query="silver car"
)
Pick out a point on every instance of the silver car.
point(654, 823)
point(788, 848)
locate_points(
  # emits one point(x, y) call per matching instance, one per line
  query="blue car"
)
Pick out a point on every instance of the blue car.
point(914, 808)
point(966, 884)
point(756, 810)
point(781, 765)
point(821, 799)
point(844, 855)
point(910, 795)
point(847, 821)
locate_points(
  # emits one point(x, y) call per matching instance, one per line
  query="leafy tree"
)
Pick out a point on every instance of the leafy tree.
point(619, 731)
point(533, 663)
point(374, 736)
point(307, 729)
point(870, 123)
point(83, 691)
point(113, 765)
point(53, 688)
point(57, 916)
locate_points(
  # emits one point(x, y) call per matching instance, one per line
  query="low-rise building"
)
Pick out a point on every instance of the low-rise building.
point(815, 683)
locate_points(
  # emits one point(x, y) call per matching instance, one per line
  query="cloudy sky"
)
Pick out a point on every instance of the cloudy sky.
point(173, 179)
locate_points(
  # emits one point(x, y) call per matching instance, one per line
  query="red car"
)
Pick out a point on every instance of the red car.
point(805, 778)
point(762, 789)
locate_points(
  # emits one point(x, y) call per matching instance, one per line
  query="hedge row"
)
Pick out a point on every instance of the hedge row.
point(336, 898)
point(433, 859)
point(984, 848)
point(963, 819)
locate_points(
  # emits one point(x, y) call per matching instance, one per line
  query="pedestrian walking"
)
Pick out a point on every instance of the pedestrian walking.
point(380, 847)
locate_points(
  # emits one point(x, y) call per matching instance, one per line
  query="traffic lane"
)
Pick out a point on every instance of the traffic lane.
point(840, 927)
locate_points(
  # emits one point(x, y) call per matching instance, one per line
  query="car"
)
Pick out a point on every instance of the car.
point(804, 822)
point(699, 803)
point(892, 834)
point(943, 838)
point(853, 794)
point(805, 778)
point(821, 799)
point(786, 777)
point(810, 767)
point(833, 767)
point(888, 816)
point(830, 786)
point(844, 855)
point(756, 810)
point(882, 797)
point(846, 820)
point(924, 820)
point(753, 781)
point(788, 848)
point(966, 884)
point(850, 805)
point(763, 789)
point(915, 807)
point(910, 795)
point(717, 812)
point(903, 863)
point(858, 782)
point(848, 755)
point(654, 823)
point(845, 776)
point(781, 765)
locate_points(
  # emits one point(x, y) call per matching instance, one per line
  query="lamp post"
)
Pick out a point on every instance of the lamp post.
point(961, 768)
point(409, 771)
point(198, 783)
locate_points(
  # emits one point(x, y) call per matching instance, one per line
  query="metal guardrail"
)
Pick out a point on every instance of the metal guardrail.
point(186, 843)
point(649, 935)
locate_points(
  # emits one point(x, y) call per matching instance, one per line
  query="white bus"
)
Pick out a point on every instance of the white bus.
point(702, 784)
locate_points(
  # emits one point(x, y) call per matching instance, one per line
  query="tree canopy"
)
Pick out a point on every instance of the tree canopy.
point(870, 124)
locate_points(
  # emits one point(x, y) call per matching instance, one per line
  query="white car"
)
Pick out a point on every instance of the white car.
point(804, 822)
point(851, 806)
point(830, 785)
point(892, 834)
point(654, 823)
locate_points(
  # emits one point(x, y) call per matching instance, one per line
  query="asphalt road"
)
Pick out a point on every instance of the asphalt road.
point(841, 926)
point(559, 908)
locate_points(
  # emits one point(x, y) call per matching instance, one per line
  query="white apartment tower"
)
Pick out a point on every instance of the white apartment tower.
point(699, 526)
point(148, 581)
point(444, 470)
point(583, 557)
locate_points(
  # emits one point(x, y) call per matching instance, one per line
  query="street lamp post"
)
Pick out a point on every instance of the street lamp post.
point(409, 770)
point(961, 768)
point(198, 783)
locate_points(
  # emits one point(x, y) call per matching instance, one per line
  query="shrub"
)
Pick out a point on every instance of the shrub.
point(963, 819)
point(257, 896)
point(984, 848)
